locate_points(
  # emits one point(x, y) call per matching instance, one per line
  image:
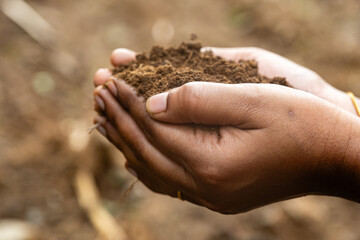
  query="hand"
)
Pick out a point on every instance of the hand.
point(271, 142)
point(270, 64)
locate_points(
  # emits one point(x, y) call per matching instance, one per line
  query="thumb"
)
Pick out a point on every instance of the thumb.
point(206, 103)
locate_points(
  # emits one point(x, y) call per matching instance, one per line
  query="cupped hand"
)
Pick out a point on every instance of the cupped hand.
point(270, 65)
point(267, 142)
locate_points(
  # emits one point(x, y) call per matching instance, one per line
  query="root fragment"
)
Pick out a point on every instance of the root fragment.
point(93, 127)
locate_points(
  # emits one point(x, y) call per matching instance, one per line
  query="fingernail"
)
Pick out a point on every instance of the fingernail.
point(157, 103)
point(100, 102)
point(111, 86)
point(132, 172)
point(101, 130)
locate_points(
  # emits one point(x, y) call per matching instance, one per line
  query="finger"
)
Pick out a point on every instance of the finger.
point(127, 97)
point(269, 64)
point(108, 130)
point(132, 164)
point(122, 56)
point(101, 76)
point(149, 179)
point(236, 54)
point(151, 158)
point(211, 104)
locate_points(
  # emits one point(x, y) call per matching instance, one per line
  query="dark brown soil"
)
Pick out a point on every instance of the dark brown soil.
point(164, 69)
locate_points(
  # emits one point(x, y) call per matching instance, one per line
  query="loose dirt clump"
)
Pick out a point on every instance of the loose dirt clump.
point(163, 69)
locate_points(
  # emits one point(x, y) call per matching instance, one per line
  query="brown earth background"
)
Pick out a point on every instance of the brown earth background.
point(46, 107)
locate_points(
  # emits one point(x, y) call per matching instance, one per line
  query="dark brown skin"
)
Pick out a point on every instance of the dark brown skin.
point(273, 142)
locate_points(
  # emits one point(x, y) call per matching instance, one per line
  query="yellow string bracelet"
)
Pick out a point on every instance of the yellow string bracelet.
point(352, 97)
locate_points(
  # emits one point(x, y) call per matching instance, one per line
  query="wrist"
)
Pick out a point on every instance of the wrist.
point(341, 175)
point(350, 175)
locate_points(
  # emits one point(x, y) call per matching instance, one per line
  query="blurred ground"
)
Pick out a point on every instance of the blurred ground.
point(46, 107)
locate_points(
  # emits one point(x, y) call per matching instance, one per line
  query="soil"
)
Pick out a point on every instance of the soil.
point(166, 68)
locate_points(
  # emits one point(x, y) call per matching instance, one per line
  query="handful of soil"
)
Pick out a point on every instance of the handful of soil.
point(163, 69)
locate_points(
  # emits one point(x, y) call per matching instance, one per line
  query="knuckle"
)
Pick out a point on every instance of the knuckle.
point(189, 95)
point(248, 100)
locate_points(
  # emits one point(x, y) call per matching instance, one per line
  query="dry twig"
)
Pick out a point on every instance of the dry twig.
point(30, 21)
point(89, 200)
point(93, 127)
